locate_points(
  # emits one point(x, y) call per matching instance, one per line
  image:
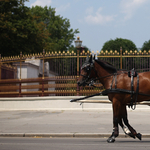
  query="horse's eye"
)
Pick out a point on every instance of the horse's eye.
point(84, 69)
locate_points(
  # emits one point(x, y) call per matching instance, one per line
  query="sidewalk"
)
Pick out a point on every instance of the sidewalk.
point(69, 123)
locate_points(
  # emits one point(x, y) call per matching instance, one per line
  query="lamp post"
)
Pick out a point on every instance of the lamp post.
point(78, 44)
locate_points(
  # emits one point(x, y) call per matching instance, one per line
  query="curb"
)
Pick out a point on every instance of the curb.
point(65, 135)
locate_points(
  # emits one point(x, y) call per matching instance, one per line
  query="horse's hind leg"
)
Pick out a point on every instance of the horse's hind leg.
point(133, 131)
point(125, 129)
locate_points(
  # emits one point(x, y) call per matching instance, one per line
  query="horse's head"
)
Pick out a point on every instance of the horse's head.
point(87, 71)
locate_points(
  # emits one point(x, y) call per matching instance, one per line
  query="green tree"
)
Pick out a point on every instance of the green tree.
point(146, 46)
point(117, 43)
point(61, 35)
point(19, 31)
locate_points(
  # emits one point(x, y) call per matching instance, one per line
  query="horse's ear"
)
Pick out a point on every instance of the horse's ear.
point(90, 60)
point(94, 57)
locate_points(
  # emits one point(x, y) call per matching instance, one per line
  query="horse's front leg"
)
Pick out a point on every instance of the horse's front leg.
point(116, 119)
point(115, 132)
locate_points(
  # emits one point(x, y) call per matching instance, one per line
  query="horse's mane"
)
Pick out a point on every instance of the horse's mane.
point(109, 67)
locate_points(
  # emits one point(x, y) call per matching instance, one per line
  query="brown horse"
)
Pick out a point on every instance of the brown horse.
point(118, 88)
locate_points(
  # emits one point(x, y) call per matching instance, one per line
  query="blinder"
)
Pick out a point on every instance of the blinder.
point(87, 68)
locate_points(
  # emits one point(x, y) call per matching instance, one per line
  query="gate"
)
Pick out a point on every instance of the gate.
point(63, 72)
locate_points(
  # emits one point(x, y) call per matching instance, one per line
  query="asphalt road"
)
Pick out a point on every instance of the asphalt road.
point(72, 144)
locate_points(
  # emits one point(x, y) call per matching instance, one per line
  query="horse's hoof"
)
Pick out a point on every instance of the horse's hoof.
point(131, 135)
point(139, 136)
point(111, 140)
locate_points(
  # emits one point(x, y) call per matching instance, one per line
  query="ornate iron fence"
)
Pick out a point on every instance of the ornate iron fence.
point(66, 69)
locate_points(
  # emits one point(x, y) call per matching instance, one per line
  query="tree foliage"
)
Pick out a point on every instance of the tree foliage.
point(146, 46)
point(61, 35)
point(31, 30)
point(17, 28)
point(117, 43)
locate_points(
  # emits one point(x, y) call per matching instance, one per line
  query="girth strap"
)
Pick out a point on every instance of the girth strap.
point(133, 101)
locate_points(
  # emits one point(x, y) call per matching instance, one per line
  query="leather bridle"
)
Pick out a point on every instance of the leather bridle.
point(88, 69)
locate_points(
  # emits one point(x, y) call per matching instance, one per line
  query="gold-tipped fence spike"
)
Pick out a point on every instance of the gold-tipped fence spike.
point(72, 52)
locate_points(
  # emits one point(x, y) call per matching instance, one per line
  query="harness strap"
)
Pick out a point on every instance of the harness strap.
point(112, 82)
point(132, 88)
point(114, 78)
point(137, 89)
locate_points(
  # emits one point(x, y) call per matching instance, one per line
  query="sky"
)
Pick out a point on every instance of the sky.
point(102, 20)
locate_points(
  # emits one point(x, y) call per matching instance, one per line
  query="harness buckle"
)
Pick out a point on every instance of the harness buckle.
point(91, 83)
point(132, 73)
